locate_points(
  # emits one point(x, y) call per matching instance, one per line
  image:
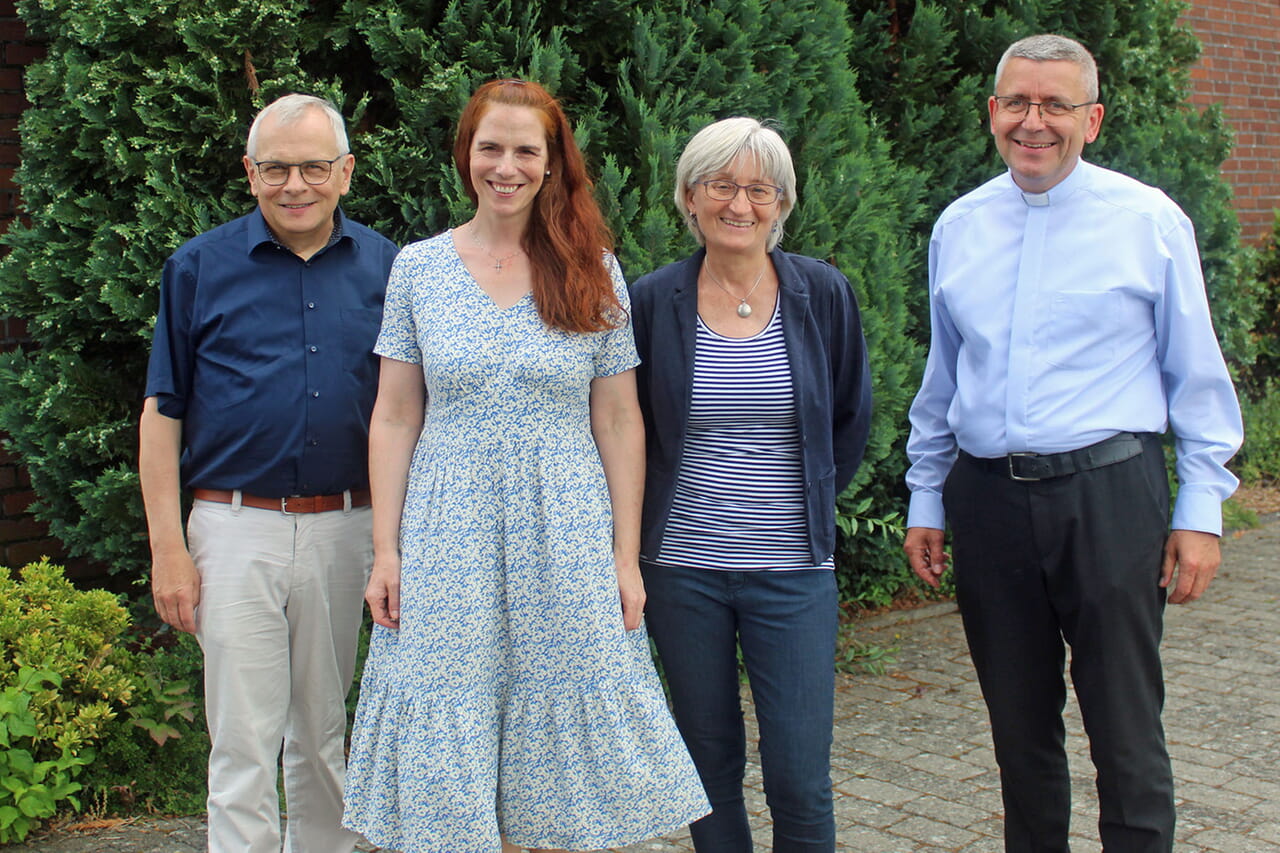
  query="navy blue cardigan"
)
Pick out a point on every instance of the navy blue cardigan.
point(831, 380)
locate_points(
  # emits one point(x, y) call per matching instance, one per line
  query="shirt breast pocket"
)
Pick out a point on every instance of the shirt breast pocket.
point(359, 334)
point(1081, 329)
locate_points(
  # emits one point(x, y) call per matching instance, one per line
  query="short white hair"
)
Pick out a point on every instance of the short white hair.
point(716, 146)
point(1048, 47)
point(289, 109)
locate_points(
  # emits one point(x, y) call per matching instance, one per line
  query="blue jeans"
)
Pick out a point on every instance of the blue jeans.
point(786, 624)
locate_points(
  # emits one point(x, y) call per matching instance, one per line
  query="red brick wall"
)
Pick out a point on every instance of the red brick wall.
point(15, 54)
point(22, 538)
point(1240, 69)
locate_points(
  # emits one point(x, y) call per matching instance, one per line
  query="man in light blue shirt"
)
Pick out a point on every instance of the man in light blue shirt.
point(1070, 330)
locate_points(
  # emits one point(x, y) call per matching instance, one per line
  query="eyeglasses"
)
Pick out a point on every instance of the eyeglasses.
point(1013, 105)
point(314, 172)
point(728, 191)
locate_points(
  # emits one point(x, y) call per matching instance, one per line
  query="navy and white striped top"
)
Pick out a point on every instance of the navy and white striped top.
point(739, 501)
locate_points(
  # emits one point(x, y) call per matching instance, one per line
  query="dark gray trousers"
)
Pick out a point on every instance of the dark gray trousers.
point(1074, 558)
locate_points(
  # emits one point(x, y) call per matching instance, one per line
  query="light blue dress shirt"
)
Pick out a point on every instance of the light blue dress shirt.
point(1062, 318)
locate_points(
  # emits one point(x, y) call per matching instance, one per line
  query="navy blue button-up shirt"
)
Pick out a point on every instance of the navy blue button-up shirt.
point(267, 359)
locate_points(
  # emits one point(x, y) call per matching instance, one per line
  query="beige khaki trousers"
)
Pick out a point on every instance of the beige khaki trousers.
point(281, 597)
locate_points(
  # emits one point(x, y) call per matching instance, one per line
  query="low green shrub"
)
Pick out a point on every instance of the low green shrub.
point(31, 790)
point(1259, 458)
point(85, 705)
point(153, 757)
point(1259, 382)
point(47, 625)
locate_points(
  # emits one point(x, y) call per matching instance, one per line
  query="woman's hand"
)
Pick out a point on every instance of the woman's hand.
point(631, 591)
point(383, 591)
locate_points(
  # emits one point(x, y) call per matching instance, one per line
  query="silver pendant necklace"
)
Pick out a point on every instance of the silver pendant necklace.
point(744, 309)
point(497, 261)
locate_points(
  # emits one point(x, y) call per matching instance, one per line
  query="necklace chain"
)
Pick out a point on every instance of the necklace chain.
point(744, 309)
point(497, 261)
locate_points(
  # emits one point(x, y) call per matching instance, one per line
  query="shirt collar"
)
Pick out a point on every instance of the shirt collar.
point(260, 232)
point(1060, 191)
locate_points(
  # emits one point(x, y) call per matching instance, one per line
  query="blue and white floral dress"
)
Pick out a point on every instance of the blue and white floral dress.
point(511, 701)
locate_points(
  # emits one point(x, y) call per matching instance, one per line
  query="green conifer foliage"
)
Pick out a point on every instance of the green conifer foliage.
point(689, 64)
point(137, 122)
point(130, 147)
point(926, 69)
point(133, 140)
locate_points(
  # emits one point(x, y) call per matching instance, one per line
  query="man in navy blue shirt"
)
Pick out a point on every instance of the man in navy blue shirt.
point(259, 392)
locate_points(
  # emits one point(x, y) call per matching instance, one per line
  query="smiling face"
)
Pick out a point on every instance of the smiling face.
point(736, 225)
point(509, 160)
point(300, 214)
point(1040, 152)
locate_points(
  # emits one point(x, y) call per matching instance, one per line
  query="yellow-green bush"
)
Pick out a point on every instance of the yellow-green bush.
point(46, 624)
point(74, 686)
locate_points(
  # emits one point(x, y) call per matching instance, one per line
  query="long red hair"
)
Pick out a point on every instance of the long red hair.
point(566, 235)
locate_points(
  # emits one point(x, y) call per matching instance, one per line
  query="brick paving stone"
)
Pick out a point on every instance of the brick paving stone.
point(926, 831)
point(946, 811)
point(877, 791)
point(912, 763)
point(1269, 832)
point(864, 838)
point(856, 814)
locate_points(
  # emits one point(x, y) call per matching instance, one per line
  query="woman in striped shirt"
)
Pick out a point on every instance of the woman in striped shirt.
point(756, 396)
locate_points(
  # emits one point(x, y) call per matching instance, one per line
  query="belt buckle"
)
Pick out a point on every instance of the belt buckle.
point(284, 505)
point(1013, 475)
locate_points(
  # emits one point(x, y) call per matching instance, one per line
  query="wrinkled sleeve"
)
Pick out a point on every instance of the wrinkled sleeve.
point(851, 392)
point(931, 447)
point(1204, 413)
point(172, 360)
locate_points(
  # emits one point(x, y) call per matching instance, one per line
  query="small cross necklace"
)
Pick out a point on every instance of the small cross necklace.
point(497, 261)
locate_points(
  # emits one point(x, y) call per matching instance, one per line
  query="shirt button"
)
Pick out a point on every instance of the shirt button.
point(313, 348)
point(315, 393)
point(314, 442)
point(311, 305)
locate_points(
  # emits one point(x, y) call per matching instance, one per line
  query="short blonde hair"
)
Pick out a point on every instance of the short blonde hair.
point(716, 146)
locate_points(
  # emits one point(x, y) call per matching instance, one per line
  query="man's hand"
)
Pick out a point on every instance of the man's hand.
point(1196, 556)
point(175, 587)
point(924, 552)
point(383, 591)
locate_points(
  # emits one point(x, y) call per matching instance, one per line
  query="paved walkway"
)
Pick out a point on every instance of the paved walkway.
point(913, 768)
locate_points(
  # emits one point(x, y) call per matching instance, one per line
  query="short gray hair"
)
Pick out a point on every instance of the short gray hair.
point(289, 109)
point(716, 146)
point(1049, 48)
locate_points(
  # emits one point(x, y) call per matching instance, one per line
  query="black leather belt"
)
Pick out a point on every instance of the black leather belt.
point(1030, 467)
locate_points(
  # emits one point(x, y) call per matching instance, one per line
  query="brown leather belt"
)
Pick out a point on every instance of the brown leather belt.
point(291, 504)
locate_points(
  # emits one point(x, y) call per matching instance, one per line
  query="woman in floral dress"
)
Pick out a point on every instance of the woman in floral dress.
point(509, 697)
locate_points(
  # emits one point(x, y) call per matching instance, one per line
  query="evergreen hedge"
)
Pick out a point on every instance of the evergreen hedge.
point(928, 67)
point(138, 115)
